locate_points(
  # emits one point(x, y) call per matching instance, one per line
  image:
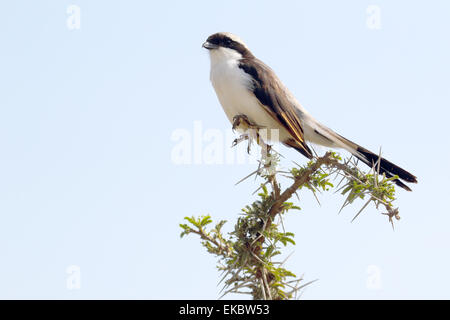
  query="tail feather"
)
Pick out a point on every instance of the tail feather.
point(369, 158)
point(322, 135)
point(303, 149)
point(386, 167)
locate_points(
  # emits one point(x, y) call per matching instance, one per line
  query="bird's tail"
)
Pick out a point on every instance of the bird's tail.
point(386, 167)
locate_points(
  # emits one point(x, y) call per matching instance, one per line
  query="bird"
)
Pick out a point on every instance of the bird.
point(250, 91)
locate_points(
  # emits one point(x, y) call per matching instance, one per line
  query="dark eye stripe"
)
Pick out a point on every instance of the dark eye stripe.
point(226, 42)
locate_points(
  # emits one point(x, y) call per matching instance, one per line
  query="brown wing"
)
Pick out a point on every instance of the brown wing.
point(272, 96)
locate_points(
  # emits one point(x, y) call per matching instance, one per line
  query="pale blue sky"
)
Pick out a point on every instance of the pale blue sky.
point(86, 119)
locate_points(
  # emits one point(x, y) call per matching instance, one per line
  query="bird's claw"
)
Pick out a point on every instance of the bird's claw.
point(241, 121)
point(243, 137)
point(238, 120)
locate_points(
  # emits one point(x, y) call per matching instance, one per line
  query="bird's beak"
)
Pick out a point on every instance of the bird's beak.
point(209, 45)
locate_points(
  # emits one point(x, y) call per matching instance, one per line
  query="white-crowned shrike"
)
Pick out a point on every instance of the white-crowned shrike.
point(247, 87)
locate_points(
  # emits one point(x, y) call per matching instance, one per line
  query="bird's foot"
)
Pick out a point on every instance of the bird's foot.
point(241, 122)
point(241, 138)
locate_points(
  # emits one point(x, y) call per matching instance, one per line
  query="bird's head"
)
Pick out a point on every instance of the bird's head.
point(224, 46)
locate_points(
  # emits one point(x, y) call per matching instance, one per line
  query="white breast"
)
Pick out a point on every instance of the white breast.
point(233, 89)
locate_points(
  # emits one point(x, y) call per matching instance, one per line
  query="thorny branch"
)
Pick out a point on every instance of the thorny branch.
point(246, 254)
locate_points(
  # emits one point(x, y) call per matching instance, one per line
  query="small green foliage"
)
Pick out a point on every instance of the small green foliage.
point(199, 223)
point(246, 254)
